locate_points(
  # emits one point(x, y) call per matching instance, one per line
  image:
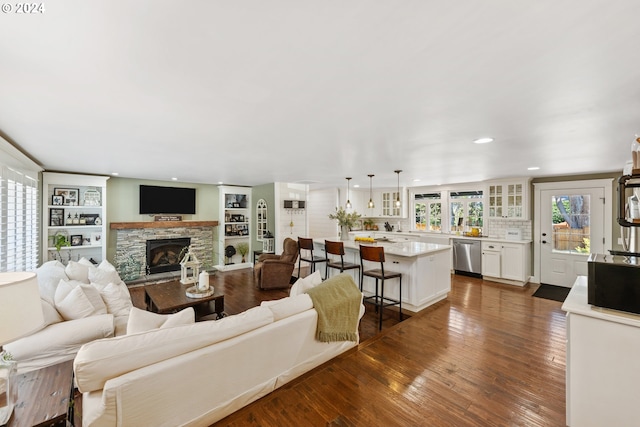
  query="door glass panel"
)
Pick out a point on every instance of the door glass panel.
point(571, 218)
point(457, 216)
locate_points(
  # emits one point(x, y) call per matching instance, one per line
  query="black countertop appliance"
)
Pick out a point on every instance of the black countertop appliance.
point(614, 282)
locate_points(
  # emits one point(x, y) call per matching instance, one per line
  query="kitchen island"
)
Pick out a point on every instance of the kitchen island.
point(425, 268)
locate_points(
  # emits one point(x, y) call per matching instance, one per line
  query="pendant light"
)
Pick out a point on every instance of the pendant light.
point(370, 205)
point(398, 202)
point(348, 205)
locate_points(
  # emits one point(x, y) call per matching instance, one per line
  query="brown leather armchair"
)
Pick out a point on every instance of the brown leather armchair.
point(275, 271)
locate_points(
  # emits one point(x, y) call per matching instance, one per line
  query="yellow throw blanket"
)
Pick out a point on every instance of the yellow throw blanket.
point(337, 301)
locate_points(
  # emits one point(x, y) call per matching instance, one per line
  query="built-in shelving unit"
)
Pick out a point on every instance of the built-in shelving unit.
point(73, 208)
point(235, 215)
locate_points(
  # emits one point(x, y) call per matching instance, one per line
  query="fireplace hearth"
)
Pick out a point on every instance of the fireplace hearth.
point(165, 254)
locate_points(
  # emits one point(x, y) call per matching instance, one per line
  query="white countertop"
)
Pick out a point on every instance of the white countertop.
point(402, 248)
point(576, 302)
point(434, 234)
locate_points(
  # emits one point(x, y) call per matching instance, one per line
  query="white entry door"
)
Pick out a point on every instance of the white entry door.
point(572, 225)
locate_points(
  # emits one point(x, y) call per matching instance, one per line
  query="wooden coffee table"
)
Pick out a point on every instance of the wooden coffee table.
point(44, 397)
point(171, 297)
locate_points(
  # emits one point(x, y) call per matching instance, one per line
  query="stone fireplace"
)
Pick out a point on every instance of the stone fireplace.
point(165, 254)
point(131, 246)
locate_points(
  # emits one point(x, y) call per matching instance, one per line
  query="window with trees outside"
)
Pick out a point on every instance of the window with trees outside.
point(571, 223)
point(428, 210)
point(466, 210)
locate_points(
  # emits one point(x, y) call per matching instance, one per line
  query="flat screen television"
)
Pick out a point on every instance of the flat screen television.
point(167, 200)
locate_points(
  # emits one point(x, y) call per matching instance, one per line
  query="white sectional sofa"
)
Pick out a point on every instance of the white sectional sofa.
point(81, 303)
point(195, 375)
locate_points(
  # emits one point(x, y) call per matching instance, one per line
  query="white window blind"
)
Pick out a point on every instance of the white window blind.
point(19, 220)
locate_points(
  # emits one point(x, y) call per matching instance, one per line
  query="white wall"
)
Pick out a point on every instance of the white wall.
point(290, 223)
point(321, 204)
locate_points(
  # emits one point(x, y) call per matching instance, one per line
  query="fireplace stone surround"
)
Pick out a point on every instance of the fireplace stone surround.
point(131, 246)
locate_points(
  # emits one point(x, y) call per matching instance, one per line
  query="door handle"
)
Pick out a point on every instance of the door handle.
point(544, 242)
point(544, 234)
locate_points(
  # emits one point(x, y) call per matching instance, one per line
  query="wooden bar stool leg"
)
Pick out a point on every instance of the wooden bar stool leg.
point(400, 298)
point(381, 305)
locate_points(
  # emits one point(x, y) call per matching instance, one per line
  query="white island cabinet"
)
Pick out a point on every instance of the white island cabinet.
point(603, 363)
point(425, 268)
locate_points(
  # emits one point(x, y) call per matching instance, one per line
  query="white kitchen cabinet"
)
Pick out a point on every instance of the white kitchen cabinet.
point(506, 262)
point(491, 257)
point(74, 208)
point(508, 199)
point(602, 374)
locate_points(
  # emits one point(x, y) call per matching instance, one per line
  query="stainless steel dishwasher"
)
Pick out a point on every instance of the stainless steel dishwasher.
point(467, 257)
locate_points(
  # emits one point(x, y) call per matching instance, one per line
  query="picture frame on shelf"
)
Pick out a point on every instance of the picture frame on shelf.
point(90, 219)
point(92, 197)
point(57, 200)
point(76, 240)
point(56, 217)
point(96, 239)
point(71, 195)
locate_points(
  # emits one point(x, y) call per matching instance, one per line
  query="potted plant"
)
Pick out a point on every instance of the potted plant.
point(345, 220)
point(243, 249)
point(60, 240)
point(368, 224)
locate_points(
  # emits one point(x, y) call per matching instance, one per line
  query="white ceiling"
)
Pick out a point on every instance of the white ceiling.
point(251, 92)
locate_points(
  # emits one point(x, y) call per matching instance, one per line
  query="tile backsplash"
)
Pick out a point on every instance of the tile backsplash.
point(497, 227)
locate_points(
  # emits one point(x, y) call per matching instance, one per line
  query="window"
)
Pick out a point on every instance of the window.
point(466, 210)
point(19, 221)
point(428, 210)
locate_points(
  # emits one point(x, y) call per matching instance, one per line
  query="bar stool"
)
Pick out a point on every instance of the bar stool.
point(337, 248)
point(307, 245)
point(376, 254)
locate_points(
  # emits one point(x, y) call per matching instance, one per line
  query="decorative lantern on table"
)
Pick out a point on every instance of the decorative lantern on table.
point(189, 268)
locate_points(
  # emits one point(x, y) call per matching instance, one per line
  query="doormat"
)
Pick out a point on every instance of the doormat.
point(556, 293)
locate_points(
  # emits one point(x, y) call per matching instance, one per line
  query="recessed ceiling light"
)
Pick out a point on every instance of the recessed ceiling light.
point(482, 140)
point(220, 182)
point(115, 173)
point(357, 186)
point(174, 179)
point(534, 168)
point(416, 180)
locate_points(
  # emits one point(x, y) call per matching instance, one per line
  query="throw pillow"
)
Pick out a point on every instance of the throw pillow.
point(77, 271)
point(49, 275)
point(304, 284)
point(76, 300)
point(103, 275)
point(142, 321)
point(117, 298)
point(288, 306)
point(51, 315)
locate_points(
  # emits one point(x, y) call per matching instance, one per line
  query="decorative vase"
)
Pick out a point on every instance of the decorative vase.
point(344, 233)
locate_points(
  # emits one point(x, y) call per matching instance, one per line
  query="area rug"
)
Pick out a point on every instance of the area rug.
point(556, 293)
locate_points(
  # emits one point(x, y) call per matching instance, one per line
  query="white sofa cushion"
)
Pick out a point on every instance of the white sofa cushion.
point(102, 360)
point(141, 320)
point(288, 306)
point(75, 300)
point(306, 283)
point(49, 275)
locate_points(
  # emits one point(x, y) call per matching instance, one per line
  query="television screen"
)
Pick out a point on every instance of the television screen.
point(167, 200)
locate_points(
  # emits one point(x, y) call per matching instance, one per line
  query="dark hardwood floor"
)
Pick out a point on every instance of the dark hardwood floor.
point(489, 355)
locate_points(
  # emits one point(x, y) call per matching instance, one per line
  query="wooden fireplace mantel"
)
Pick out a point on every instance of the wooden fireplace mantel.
point(161, 224)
